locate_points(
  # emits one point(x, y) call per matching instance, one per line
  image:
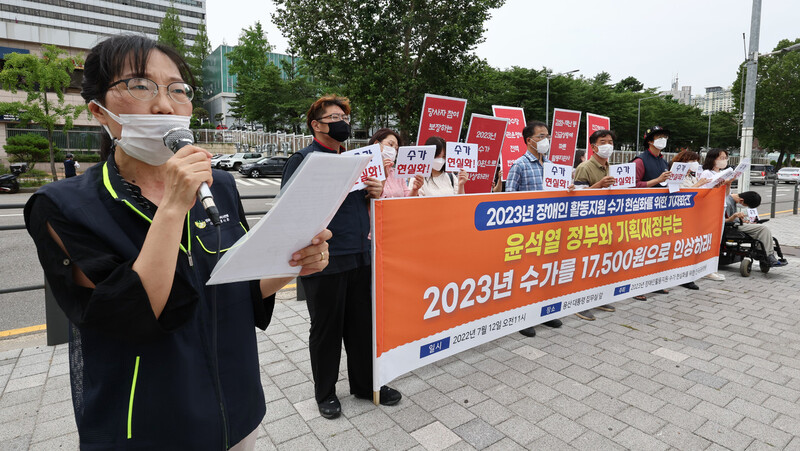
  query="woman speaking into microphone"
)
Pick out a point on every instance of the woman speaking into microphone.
point(157, 358)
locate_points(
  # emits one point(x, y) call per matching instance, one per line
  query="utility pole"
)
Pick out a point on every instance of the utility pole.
point(750, 93)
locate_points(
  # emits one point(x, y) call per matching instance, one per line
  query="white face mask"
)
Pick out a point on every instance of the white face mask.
point(660, 143)
point(605, 150)
point(438, 164)
point(143, 134)
point(721, 164)
point(694, 166)
point(543, 146)
point(388, 153)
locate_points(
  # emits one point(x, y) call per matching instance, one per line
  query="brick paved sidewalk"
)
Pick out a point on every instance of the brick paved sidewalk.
point(712, 369)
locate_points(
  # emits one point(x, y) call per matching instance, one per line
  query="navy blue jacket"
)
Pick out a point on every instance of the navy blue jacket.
point(653, 167)
point(139, 381)
point(350, 246)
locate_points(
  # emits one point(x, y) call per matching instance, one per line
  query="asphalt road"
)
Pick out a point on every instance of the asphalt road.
point(21, 267)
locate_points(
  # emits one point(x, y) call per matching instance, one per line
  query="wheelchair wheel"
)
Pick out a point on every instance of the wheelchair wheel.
point(745, 267)
point(764, 266)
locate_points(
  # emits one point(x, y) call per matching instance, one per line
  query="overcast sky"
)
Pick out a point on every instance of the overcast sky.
point(700, 41)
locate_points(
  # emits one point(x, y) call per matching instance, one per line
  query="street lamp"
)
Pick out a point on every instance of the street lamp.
point(708, 139)
point(638, 118)
point(547, 96)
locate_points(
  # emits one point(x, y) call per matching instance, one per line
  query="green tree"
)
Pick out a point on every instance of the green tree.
point(28, 148)
point(777, 116)
point(629, 84)
point(38, 77)
point(200, 118)
point(259, 87)
point(386, 55)
point(197, 53)
point(299, 91)
point(170, 32)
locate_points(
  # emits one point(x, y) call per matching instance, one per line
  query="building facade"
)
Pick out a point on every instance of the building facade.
point(76, 26)
point(682, 95)
point(716, 99)
point(220, 85)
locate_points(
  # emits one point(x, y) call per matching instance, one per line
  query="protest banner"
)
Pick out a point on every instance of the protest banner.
point(488, 133)
point(677, 175)
point(460, 156)
point(441, 116)
point(513, 144)
point(373, 169)
point(624, 175)
point(595, 122)
point(557, 177)
point(497, 263)
point(564, 136)
point(414, 160)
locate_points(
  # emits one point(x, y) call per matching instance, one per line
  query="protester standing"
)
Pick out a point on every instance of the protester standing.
point(339, 298)
point(593, 173)
point(693, 159)
point(440, 183)
point(158, 360)
point(692, 181)
point(527, 174)
point(70, 165)
point(651, 168)
point(390, 141)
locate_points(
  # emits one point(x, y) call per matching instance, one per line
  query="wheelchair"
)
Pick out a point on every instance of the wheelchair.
point(738, 247)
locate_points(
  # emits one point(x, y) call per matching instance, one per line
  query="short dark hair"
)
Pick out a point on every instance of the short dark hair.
point(751, 198)
point(314, 112)
point(600, 134)
point(437, 141)
point(711, 157)
point(384, 133)
point(109, 58)
point(527, 132)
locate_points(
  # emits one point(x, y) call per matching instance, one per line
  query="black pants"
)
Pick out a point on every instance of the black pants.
point(340, 306)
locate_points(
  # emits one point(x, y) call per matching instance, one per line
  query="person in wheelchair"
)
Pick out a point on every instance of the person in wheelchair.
point(760, 232)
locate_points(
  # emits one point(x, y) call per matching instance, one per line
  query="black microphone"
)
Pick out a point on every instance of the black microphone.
point(176, 139)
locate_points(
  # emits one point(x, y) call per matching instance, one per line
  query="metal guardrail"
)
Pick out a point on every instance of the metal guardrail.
point(57, 323)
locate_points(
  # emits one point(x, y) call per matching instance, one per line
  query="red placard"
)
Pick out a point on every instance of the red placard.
point(513, 146)
point(564, 136)
point(441, 116)
point(488, 133)
point(595, 122)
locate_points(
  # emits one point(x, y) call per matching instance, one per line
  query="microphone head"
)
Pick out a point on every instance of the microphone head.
point(178, 135)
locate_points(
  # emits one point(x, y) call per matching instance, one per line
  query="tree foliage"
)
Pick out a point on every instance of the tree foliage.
point(777, 115)
point(38, 77)
point(197, 53)
point(28, 148)
point(170, 32)
point(386, 54)
point(258, 81)
point(262, 93)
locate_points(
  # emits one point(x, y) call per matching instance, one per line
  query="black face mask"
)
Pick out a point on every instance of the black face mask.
point(339, 131)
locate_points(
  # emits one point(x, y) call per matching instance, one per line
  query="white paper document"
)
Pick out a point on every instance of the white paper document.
point(304, 208)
